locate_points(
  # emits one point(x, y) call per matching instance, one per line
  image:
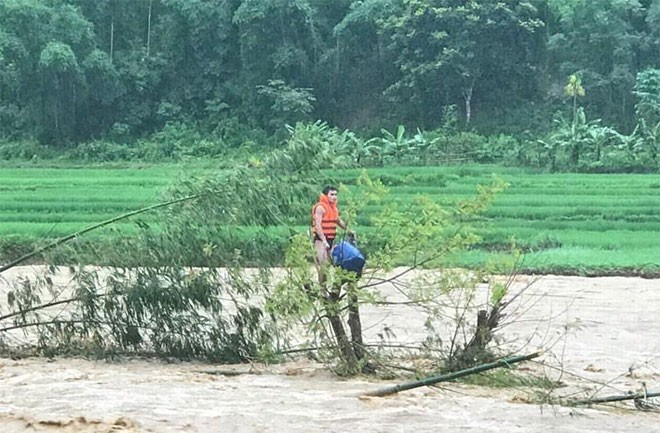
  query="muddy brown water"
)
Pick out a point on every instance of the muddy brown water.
point(603, 332)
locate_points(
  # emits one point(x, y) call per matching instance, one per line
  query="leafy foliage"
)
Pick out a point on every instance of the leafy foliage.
point(429, 234)
point(288, 104)
point(647, 90)
point(163, 306)
point(364, 65)
point(455, 49)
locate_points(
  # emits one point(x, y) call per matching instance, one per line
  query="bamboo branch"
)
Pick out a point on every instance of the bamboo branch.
point(49, 322)
point(613, 398)
point(44, 306)
point(93, 227)
point(411, 268)
point(450, 376)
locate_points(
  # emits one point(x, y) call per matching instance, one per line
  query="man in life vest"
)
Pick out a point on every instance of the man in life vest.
point(325, 219)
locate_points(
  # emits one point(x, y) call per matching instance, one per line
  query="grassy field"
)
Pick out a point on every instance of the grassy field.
point(575, 223)
point(53, 202)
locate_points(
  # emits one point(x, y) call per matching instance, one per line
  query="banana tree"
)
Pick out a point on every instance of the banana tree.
point(578, 137)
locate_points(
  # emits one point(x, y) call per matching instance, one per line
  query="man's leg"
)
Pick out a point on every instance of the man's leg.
point(322, 259)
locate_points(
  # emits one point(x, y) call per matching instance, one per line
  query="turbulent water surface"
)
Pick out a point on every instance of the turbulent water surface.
point(600, 330)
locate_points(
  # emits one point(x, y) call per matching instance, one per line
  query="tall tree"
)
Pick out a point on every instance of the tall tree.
point(61, 80)
point(358, 67)
point(12, 54)
point(103, 89)
point(198, 42)
point(278, 40)
point(42, 42)
point(451, 52)
point(601, 40)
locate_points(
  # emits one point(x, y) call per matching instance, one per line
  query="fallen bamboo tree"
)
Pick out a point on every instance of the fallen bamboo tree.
point(450, 376)
point(88, 229)
point(639, 397)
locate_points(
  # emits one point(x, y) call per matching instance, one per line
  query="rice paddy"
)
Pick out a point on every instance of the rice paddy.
point(53, 202)
point(566, 222)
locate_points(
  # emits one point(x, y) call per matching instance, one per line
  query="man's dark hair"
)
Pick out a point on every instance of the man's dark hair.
point(328, 188)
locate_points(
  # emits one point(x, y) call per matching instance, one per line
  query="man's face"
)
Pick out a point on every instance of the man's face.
point(332, 196)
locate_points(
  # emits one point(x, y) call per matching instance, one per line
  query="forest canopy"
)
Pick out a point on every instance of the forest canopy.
point(77, 70)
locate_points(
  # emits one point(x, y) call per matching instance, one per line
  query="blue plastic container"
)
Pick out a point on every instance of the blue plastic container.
point(348, 257)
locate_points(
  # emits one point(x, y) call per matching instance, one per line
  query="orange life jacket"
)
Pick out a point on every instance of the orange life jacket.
point(330, 217)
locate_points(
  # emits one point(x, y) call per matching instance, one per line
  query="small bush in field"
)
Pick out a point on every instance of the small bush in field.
point(26, 150)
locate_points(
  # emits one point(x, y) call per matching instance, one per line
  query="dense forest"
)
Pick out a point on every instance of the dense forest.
point(579, 74)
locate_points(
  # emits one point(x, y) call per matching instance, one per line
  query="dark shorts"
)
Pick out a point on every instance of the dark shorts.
point(317, 238)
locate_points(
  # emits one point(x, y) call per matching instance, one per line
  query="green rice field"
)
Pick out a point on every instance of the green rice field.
point(53, 202)
point(566, 223)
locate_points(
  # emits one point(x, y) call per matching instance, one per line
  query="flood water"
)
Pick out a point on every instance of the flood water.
point(604, 333)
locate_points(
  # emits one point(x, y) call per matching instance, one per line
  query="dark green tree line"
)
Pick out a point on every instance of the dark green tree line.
point(77, 70)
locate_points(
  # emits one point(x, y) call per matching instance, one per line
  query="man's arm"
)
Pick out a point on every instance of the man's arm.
point(319, 212)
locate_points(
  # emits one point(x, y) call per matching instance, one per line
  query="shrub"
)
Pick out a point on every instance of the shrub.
point(103, 151)
point(26, 150)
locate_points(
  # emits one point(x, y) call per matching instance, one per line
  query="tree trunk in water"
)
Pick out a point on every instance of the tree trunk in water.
point(475, 351)
point(332, 310)
point(356, 326)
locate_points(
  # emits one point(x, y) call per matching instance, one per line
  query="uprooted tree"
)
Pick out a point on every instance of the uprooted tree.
point(182, 288)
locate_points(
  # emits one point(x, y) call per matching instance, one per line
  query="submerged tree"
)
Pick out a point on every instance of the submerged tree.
point(423, 234)
point(150, 300)
point(165, 293)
